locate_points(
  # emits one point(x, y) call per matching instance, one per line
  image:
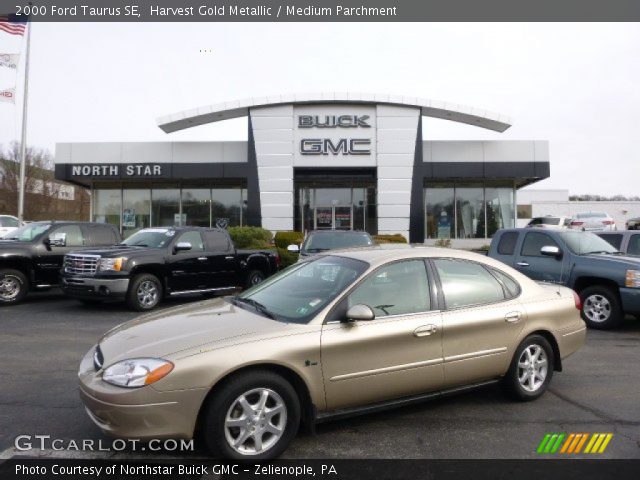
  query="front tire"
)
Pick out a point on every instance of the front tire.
point(14, 286)
point(254, 278)
point(601, 307)
point(531, 369)
point(145, 292)
point(254, 416)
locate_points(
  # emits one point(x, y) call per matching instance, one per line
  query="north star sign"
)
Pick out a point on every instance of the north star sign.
point(326, 146)
point(133, 170)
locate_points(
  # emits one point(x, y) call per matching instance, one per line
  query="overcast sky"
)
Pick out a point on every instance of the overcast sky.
point(576, 85)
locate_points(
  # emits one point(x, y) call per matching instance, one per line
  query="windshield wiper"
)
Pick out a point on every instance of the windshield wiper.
point(616, 252)
point(133, 245)
point(257, 305)
point(317, 249)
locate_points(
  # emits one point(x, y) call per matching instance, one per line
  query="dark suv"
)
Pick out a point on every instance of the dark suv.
point(31, 256)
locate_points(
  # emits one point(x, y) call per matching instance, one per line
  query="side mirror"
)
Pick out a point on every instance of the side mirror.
point(182, 247)
point(360, 312)
point(293, 248)
point(46, 241)
point(551, 251)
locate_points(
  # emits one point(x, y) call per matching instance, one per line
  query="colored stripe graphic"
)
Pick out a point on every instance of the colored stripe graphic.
point(573, 443)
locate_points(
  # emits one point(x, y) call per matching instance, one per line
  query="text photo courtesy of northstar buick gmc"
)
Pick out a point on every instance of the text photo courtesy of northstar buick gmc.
point(304, 346)
point(157, 262)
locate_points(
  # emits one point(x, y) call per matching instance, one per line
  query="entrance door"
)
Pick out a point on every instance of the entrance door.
point(333, 218)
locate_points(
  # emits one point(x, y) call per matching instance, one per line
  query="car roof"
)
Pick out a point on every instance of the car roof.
point(378, 254)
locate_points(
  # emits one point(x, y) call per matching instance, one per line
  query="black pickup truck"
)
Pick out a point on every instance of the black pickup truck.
point(155, 263)
point(31, 256)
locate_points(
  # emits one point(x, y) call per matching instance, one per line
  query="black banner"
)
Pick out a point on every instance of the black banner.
point(326, 11)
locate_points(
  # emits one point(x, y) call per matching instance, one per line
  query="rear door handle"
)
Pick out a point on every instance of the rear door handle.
point(512, 317)
point(425, 330)
point(230, 257)
point(522, 264)
point(202, 259)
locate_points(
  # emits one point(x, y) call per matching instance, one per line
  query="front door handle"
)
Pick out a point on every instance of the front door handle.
point(425, 330)
point(230, 257)
point(202, 259)
point(522, 264)
point(512, 317)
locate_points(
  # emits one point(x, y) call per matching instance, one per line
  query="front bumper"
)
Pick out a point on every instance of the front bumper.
point(90, 287)
point(138, 413)
point(630, 298)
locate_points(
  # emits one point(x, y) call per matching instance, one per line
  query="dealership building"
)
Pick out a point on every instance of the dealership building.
point(314, 161)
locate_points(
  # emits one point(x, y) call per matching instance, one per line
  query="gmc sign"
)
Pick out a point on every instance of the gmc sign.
point(326, 146)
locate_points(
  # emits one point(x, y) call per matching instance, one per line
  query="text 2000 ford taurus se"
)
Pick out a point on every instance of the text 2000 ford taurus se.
point(328, 337)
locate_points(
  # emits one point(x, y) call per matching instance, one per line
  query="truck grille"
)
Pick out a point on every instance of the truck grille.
point(81, 264)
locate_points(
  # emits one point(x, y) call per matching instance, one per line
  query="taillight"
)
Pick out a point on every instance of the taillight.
point(577, 301)
point(607, 222)
point(576, 223)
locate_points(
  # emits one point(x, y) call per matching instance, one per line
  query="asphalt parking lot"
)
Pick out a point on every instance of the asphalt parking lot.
point(44, 338)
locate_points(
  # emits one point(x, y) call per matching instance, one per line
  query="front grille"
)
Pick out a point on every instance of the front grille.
point(77, 264)
point(98, 359)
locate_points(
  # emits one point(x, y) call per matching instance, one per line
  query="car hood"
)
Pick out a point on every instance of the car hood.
point(118, 251)
point(211, 323)
point(633, 262)
point(13, 246)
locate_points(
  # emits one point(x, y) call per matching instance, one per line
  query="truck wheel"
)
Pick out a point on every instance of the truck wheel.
point(145, 292)
point(531, 369)
point(14, 286)
point(601, 307)
point(254, 277)
point(253, 416)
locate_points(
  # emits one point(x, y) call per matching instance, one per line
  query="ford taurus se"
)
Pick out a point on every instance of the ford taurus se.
point(344, 333)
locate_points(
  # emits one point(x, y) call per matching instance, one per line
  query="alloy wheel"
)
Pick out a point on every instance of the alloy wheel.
point(255, 422)
point(10, 287)
point(597, 308)
point(532, 368)
point(147, 293)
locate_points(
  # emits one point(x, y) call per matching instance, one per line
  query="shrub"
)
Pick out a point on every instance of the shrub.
point(443, 243)
point(287, 258)
point(395, 238)
point(251, 237)
point(284, 239)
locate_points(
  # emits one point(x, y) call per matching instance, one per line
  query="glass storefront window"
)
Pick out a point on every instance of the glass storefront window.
point(470, 212)
point(226, 207)
point(500, 209)
point(136, 213)
point(106, 206)
point(195, 206)
point(165, 207)
point(440, 218)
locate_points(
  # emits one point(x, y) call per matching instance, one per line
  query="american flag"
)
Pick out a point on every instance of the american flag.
point(13, 24)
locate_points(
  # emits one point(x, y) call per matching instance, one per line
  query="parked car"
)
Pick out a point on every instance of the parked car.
point(31, 256)
point(627, 242)
point(157, 262)
point(8, 223)
point(607, 281)
point(633, 223)
point(592, 221)
point(337, 335)
point(550, 221)
point(318, 241)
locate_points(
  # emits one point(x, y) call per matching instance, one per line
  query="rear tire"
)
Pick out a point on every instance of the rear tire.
point(254, 278)
point(234, 417)
point(601, 307)
point(531, 369)
point(145, 292)
point(14, 286)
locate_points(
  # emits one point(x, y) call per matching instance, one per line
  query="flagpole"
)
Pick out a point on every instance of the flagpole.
point(23, 141)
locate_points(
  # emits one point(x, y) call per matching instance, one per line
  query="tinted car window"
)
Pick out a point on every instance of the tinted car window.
point(317, 242)
point(151, 237)
point(512, 288)
point(217, 241)
point(69, 235)
point(194, 238)
point(545, 221)
point(615, 239)
point(634, 244)
point(399, 288)
point(100, 235)
point(534, 241)
point(467, 283)
point(507, 244)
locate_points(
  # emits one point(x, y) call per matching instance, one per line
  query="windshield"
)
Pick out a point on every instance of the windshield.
point(581, 243)
point(28, 232)
point(301, 291)
point(9, 222)
point(323, 241)
point(152, 237)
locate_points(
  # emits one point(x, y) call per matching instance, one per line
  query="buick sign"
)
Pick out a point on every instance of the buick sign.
point(333, 121)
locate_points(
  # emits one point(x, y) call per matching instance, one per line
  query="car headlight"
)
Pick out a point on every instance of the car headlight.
point(137, 372)
point(632, 279)
point(114, 264)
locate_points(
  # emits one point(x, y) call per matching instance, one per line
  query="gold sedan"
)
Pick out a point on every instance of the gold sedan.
point(344, 333)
